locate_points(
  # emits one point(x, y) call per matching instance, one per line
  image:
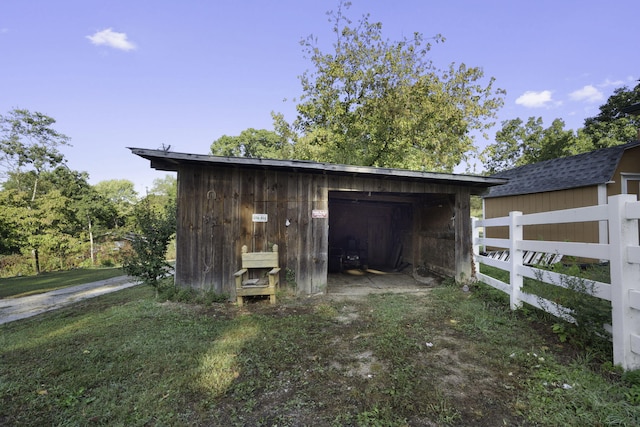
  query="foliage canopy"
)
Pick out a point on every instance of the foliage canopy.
point(377, 102)
point(48, 210)
point(29, 139)
point(612, 126)
point(257, 143)
point(518, 143)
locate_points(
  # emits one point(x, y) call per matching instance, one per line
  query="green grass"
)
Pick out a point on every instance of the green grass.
point(30, 285)
point(443, 357)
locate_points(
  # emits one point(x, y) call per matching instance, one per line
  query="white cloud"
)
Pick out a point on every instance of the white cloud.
point(112, 39)
point(608, 82)
point(588, 93)
point(533, 99)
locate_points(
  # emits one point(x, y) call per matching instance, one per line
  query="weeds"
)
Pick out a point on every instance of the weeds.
point(446, 357)
point(575, 293)
point(168, 291)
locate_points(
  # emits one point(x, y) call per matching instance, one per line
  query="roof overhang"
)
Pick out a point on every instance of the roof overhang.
point(632, 109)
point(172, 161)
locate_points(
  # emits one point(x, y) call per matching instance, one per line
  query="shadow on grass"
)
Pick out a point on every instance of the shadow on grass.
point(448, 357)
point(123, 357)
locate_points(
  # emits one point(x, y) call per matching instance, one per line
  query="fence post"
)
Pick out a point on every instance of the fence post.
point(475, 235)
point(515, 258)
point(625, 319)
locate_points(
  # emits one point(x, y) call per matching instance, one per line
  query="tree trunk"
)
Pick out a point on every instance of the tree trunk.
point(36, 260)
point(35, 188)
point(36, 254)
point(91, 242)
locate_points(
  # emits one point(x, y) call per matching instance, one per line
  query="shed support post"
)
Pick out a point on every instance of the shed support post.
point(462, 229)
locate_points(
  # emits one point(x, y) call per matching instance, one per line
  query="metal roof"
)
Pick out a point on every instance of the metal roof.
point(171, 161)
point(582, 170)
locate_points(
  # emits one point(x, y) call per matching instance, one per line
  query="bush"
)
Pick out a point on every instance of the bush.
point(147, 258)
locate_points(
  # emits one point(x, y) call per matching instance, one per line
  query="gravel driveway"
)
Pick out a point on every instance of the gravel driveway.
point(362, 283)
point(20, 308)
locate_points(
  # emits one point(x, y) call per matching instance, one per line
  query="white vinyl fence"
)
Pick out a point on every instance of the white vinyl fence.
point(623, 252)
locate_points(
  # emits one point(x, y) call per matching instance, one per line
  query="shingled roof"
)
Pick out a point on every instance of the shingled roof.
point(582, 170)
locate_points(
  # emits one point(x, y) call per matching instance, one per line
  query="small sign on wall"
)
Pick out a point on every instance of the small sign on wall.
point(260, 217)
point(319, 213)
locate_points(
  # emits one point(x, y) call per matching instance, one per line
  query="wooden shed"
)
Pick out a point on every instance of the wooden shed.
point(312, 211)
point(586, 179)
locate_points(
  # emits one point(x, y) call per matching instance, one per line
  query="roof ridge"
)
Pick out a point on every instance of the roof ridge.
point(580, 170)
point(571, 158)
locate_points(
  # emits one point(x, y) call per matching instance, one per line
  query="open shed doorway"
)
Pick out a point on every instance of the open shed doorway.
point(370, 236)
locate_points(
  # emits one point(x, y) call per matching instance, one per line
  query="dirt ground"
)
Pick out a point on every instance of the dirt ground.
point(357, 283)
point(470, 389)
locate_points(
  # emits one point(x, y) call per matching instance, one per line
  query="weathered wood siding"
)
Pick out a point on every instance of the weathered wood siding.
point(435, 239)
point(216, 204)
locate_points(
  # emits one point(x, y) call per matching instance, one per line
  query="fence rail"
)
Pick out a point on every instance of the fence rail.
point(623, 253)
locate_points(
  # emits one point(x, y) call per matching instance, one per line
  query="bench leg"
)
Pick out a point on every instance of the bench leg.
point(272, 298)
point(240, 301)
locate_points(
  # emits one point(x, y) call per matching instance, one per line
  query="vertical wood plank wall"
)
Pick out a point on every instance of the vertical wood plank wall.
point(216, 204)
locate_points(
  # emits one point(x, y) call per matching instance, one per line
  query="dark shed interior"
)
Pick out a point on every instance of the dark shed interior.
point(369, 230)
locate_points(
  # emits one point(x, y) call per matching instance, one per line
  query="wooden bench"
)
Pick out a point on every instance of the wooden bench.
point(254, 264)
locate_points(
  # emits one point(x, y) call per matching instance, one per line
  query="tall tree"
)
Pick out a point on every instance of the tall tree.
point(122, 194)
point(165, 187)
point(66, 212)
point(612, 126)
point(28, 148)
point(257, 143)
point(11, 232)
point(28, 141)
point(518, 143)
point(377, 102)
point(88, 209)
point(163, 192)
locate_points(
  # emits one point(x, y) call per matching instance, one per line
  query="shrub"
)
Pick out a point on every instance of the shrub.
point(147, 258)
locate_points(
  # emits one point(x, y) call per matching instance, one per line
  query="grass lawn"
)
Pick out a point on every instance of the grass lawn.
point(440, 357)
point(31, 285)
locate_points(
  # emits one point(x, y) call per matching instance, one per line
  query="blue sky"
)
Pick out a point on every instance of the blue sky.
point(138, 73)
